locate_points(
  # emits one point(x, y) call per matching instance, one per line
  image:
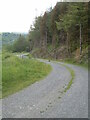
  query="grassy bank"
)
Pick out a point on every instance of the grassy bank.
point(19, 73)
point(72, 61)
point(0, 75)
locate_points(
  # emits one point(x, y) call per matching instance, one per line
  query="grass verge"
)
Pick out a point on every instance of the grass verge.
point(0, 75)
point(71, 61)
point(72, 77)
point(19, 73)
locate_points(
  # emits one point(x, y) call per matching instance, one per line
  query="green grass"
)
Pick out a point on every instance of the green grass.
point(0, 75)
point(72, 78)
point(0, 79)
point(19, 73)
point(72, 61)
point(20, 53)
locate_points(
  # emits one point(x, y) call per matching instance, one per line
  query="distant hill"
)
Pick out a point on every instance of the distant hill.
point(9, 38)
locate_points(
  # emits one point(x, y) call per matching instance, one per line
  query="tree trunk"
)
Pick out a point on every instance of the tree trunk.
point(53, 41)
point(68, 44)
point(46, 40)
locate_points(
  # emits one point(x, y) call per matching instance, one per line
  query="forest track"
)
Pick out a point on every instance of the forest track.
point(47, 99)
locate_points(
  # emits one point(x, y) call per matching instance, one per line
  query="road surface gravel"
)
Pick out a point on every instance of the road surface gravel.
point(46, 99)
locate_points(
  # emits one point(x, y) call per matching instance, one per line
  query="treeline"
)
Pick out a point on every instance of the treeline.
point(61, 32)
point(66, 25)
point(19, 45)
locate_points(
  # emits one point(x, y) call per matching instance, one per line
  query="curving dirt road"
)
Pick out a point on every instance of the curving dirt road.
point(46, 99)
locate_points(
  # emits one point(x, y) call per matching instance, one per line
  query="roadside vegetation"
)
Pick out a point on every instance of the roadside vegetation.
point(82, 64)
point(72, 77)
point(19, 73)
point(0, 74)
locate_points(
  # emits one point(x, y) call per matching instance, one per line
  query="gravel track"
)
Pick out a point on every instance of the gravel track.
point(46, 99)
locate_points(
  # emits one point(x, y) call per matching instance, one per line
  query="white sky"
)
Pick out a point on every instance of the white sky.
point(18, 15)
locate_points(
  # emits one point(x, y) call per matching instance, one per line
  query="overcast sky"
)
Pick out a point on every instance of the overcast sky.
point(18, 15)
